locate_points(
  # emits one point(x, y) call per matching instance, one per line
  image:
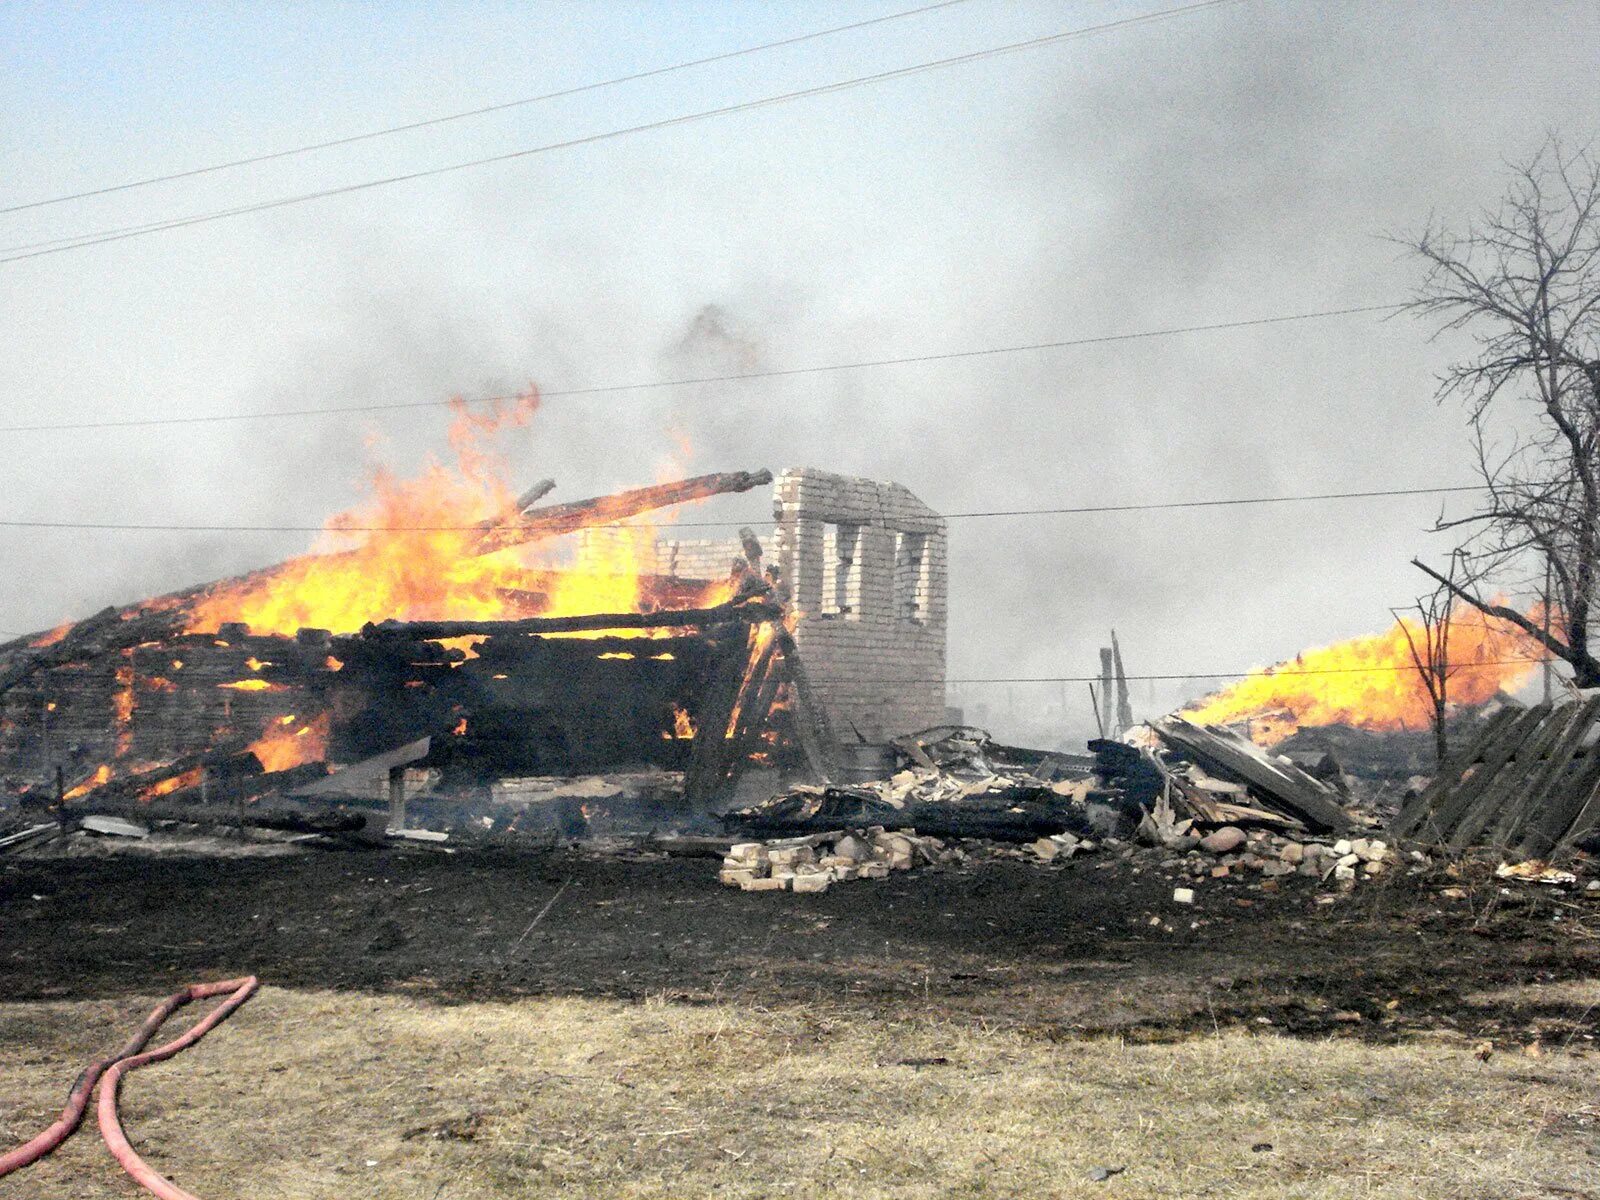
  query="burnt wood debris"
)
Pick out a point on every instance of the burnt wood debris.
point(133, 713)
point(125, 709)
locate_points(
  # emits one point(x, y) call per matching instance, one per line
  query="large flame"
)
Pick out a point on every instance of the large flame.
point(429, 571)
point(288, 742)
point(1371, 682)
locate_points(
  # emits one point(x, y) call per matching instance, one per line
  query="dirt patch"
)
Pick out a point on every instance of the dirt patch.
point(1094, 946)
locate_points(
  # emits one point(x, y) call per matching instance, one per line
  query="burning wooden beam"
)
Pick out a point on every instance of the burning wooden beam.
point(525, 525)
point(583, 623)
point(557, 519)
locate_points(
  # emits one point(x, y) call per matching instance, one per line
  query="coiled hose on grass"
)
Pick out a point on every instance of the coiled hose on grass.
point(109, 1072)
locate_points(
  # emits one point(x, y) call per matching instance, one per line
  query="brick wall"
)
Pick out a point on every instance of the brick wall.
point(704, 558)
point(865, 563)
point(866, 567)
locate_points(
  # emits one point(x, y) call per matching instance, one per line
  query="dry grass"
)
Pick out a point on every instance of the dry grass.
point(314, 1095)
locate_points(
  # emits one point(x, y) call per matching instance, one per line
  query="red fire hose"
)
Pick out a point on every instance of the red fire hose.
point(113, 1068)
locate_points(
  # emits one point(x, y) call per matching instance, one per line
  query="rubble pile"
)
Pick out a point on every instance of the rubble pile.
point(1220, 777)
point(950, 781)
point(815, 862)
point(1232, 851)
point(812, 864)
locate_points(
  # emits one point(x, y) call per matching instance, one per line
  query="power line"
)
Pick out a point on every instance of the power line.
point(116, 235)
point(478, 112)
point(741, 376)
point(1230, 502)
point(1271, 672)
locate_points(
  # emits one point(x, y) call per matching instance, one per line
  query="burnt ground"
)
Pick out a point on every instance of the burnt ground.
point(1065, 950)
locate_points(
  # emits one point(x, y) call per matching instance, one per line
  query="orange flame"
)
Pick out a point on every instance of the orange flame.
point(123, 705)
point(1371, 682)
point(189, 778)
point(283, 746)
point(408, 553)
point(682, 723)
point(53, 636)
point(102, 775)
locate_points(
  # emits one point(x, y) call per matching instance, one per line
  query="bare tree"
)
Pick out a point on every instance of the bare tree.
point(1524, 280)
point(1432, 655)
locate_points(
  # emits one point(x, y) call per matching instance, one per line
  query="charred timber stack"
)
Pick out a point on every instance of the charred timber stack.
point(183, 715)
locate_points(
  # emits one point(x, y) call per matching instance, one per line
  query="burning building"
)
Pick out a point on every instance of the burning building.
point(447, 615)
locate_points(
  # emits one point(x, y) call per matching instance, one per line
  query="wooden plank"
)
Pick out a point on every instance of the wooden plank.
point(1557, 805)
point(1281, 784)
point(1448, 775)
point(397, 799)
point(1550, 780)
point(1554, 823)
point(752, 709)
point(1588, 819)
point(357, 779)
point(701, 779)
point(1458, 798)
point(1513, 784)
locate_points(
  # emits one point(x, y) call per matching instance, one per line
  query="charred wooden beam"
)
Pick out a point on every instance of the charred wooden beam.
point(587, 622)
point(557, 519)
point(229, 760)
point(280, 818)
point(811, 726)
point(519, 507)
point(106, 631)
point(704, 778)
point(535, 494)
point(1020, 821)
point(713, 775)
point(214, 791)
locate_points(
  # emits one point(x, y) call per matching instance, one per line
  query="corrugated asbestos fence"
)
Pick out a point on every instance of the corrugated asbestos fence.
point(1529, 783)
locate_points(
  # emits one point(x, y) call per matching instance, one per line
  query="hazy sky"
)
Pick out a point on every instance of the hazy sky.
point(1240, 162)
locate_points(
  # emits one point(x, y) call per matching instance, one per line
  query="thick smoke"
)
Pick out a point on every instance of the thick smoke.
point(1242, 163)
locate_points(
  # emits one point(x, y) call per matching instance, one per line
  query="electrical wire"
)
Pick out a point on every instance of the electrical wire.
point(1230, 502)
point(1274, 672)
point(116, 235)
point(742, 376)
point(484, 110)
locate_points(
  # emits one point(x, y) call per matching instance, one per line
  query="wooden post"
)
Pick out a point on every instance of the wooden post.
point(707, 753)
point(1124, 705)
point(1548, 665)
point(397, 799)
point(1107, 705)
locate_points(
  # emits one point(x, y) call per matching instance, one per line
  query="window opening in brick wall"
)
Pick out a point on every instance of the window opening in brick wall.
point(913, 579)
point(841, 571)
